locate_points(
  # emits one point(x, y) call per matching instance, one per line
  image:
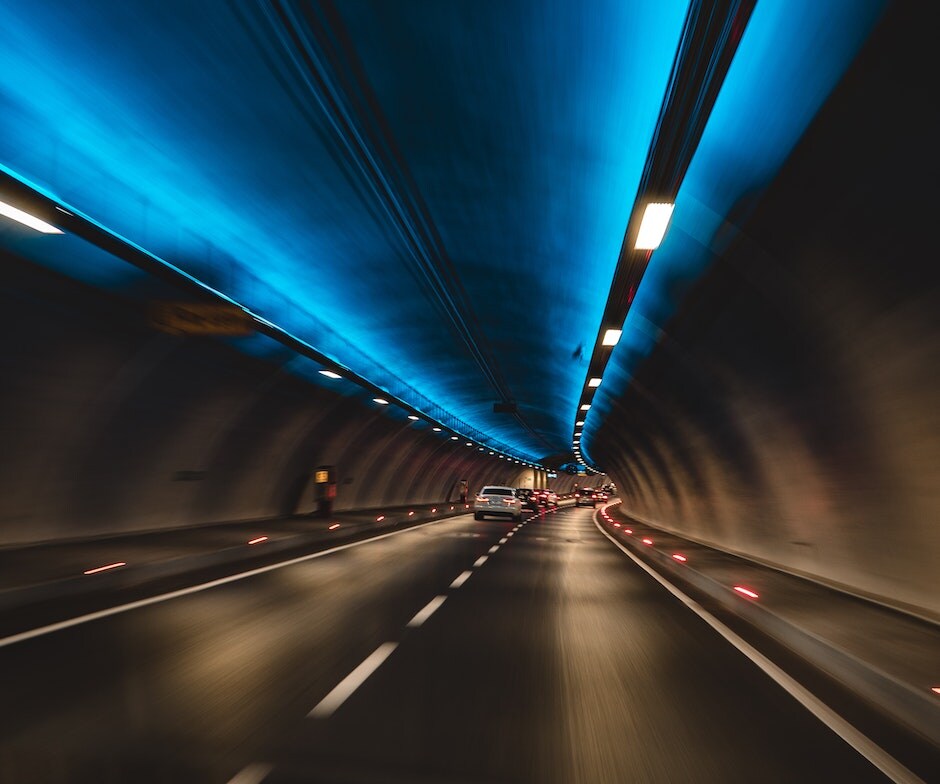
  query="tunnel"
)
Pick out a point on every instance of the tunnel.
point(534, 391)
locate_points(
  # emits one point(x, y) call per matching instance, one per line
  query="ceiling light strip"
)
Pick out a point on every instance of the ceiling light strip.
point(40, 203)
point(707, 44)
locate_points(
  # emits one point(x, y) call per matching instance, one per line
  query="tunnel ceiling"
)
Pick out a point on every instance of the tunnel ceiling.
point(434, 195)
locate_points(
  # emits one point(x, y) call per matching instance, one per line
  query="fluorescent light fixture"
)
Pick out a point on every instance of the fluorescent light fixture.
point(653, 226)
point(586, 407)
point(27, 220)
point(579, 423)
point(380, 401)
point(413, 418)
point(330, 374)
point(611, 337)
point(469, 444)
point(594, 382)
point(454, 438)
point(436, 429)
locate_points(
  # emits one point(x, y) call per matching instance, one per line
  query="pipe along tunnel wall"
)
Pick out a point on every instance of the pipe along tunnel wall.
point(790, 412)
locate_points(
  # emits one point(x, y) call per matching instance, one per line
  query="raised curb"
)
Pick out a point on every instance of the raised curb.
point(917, 711)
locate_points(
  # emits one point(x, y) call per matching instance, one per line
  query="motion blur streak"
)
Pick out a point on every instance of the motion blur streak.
point(105, 568)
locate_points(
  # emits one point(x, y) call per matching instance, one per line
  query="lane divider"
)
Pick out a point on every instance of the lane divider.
point(427, 611)
point(346, 687)
point(858, 741)
point(252, 774)
point(461, 579)
point(122, 608)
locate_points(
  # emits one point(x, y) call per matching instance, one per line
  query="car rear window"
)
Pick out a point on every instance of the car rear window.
point(496, 491)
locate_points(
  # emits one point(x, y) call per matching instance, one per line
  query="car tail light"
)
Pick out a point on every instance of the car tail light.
point(482, 499)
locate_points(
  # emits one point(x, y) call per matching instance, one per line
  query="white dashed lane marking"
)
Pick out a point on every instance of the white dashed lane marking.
point(345, 688)
point(253, 774)
point(461, 579)
point(427, 612)
point(329, 704)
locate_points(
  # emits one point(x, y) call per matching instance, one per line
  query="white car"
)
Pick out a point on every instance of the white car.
point(497, 500)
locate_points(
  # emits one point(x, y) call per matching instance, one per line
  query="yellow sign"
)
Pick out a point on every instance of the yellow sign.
point(196, 318)
point(323, 476)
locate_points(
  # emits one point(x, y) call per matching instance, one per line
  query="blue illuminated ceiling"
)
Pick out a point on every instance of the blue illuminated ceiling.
point(432, 193)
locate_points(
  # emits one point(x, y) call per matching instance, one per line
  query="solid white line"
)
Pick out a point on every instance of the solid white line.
point(861, 743)
point(253, 774)
point(480, 561)
point(493, 549)
point(427, 612)
point(461, 579)
point(122, 608)
point(351, 682)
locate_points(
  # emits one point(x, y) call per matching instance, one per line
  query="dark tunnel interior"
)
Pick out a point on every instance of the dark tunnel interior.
point(425, 214)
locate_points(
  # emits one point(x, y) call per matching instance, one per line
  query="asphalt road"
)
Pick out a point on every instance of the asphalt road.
point(553, 659)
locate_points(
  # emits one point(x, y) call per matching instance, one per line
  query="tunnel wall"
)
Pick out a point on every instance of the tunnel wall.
point(790, 411)
point(110, 426)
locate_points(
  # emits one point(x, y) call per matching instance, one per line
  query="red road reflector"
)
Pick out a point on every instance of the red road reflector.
point(258, 540)
point(628, 530)
point(745, 591)
point(105, 568)
point(380, 518)
point(936, 689)
point(616, 525)
point(410, 514)
point(680, 557)
point(334, 526)
point(647, 541)
point(433, 510)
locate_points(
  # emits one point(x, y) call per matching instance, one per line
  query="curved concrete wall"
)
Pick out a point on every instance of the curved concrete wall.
point(791, 412)
point(109, 426)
